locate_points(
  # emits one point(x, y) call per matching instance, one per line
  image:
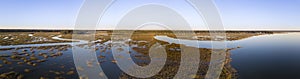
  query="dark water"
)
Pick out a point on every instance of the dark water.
point(268, 57)
point(275, 56)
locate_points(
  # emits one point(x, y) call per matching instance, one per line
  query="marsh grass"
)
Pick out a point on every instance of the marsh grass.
point(173, 58)
point(147, 37)
point(18, 38)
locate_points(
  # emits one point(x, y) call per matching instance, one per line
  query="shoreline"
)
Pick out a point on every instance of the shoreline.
point(62, 40)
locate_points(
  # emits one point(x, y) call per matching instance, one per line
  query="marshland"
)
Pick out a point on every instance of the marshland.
point(48, 54)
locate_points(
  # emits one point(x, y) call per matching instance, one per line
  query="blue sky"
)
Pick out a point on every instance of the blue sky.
point(235, 14)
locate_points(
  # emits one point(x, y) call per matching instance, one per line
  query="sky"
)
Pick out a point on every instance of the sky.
point(235, 14)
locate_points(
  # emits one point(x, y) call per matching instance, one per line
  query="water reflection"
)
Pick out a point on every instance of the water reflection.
point(268, 57)
point(262, 56)
point(37, 62)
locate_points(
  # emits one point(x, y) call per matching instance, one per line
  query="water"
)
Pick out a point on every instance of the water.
point(268, 57)
point(47, 44)
point(199, 44)
point(260, 57)
point(59, 66)
point(275, 56)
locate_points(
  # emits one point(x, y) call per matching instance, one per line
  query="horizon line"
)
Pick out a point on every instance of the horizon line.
point(162, 29)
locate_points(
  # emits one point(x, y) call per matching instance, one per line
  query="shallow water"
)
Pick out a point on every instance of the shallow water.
point(199, 44)
point(47, 44)
point(59, 66)
point(260, 57)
